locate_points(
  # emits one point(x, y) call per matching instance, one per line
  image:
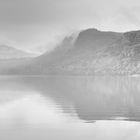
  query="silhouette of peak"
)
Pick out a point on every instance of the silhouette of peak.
point(93, 38)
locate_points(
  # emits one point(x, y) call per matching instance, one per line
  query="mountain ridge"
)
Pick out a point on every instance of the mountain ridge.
point(93, 52)
point(9, 52)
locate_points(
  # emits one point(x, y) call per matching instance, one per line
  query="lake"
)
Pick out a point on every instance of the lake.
point(69, 107)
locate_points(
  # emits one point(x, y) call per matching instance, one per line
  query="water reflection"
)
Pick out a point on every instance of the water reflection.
point(39, 107)
point(92, 98)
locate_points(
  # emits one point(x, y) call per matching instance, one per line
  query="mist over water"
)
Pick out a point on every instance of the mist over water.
point(62, 107)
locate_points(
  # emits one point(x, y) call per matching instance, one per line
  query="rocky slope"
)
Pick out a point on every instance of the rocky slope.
point(92, 52)
point(96, 52)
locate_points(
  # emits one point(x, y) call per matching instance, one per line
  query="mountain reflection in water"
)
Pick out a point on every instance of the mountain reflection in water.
point(92, 98)
point(55, 104)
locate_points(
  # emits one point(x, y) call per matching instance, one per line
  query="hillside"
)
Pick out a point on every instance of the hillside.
point(96, 52)
point(92, 52)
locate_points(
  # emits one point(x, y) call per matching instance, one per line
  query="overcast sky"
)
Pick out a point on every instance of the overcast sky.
point(33, 24)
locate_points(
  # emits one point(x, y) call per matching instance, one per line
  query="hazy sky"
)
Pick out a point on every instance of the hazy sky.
point(37, 25)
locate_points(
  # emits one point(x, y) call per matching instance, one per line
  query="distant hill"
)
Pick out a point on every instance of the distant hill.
point(8, 52)
point(91, 52)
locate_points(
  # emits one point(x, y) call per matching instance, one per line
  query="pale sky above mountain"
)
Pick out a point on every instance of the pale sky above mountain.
point(33, 24)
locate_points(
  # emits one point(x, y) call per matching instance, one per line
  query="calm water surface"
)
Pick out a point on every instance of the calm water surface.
point(69, 108)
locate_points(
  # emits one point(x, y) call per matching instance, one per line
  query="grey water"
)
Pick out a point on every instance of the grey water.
point(71, 108)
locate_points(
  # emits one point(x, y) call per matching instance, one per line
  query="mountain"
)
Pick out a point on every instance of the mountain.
point(8, 52)
point(92, 52)
point(12, 58)
point(97, 52)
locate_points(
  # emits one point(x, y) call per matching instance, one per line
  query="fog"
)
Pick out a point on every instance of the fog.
point(38, 25)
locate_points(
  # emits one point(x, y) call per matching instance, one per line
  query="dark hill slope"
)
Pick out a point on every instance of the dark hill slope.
point(93, 52)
